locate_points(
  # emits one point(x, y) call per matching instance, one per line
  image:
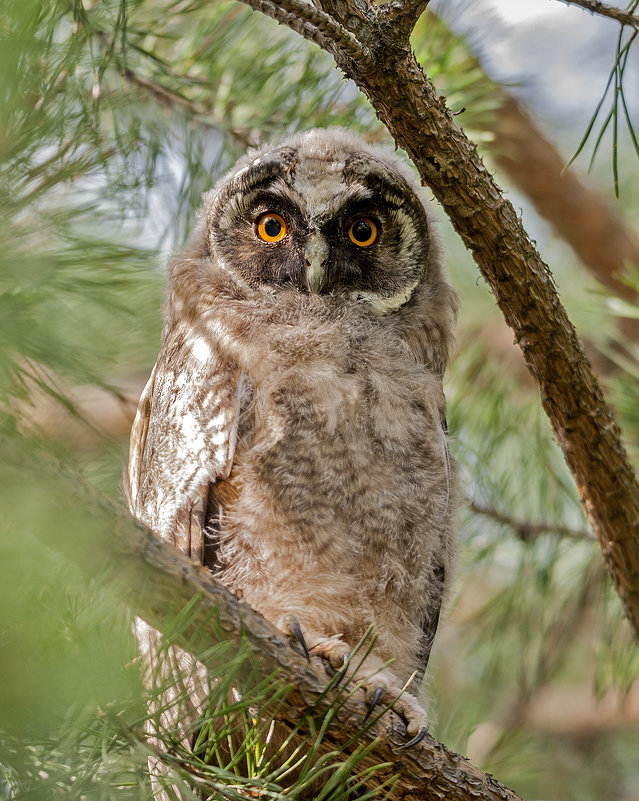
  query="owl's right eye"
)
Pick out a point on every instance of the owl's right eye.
point(271, 227)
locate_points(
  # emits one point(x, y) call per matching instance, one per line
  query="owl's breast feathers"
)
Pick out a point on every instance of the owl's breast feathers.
point(343, 430)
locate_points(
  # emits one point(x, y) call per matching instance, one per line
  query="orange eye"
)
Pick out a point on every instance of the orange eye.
point(363, 232)
point(271, 227)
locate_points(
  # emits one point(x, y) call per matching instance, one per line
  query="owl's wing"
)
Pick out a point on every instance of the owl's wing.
point(183, 439)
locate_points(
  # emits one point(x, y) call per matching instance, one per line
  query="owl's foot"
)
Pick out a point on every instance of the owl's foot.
point(334, 650)
point(382, 687)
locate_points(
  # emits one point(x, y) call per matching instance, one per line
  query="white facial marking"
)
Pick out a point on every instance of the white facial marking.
point(387, 305)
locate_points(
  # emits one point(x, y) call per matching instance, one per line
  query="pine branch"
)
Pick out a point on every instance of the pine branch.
point(175, 100)
point(408, 104)
point(527, 530)
point(604, 10)
point(166, 96)
point(313, 24)
point(153, 577)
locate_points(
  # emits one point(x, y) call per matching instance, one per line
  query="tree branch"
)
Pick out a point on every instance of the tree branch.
point(313, 24)
point(166, 96)
point(527, 530)
point(152, 577)
point(200, 111)
point(407, 103)
point(403, 13)
point(604, 10)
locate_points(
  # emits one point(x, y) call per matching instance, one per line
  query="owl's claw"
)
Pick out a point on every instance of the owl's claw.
point(297, 631)
point(334, 651)
point(416, 739)
point(293, 628)
point(377, 694)
point(339, 677)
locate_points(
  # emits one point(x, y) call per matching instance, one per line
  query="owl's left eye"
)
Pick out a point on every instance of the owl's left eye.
point(362, 232)
point(271, 227)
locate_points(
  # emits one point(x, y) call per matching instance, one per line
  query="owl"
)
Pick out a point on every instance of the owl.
point(292, 435)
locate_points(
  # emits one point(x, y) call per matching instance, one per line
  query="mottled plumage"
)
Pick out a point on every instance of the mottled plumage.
point(291, 437)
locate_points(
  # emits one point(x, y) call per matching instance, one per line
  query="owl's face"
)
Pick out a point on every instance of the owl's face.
point(326, 214)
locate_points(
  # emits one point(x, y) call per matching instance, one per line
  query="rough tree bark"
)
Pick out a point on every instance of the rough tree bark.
point(371, 45)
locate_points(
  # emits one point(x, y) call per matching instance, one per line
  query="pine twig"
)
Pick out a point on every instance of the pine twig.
point(166, 96)
point(527, 530)
point(604, 10)
point(313, 24)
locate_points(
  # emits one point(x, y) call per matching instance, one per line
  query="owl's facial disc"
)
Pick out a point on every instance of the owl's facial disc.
point(345, 227)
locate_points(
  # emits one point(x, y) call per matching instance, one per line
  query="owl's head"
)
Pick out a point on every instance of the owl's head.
point(324, 213)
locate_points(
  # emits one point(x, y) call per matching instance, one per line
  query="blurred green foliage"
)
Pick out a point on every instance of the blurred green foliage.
point(117, 115)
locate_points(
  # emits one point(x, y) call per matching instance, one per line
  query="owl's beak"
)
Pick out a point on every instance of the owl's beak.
point(316, 253)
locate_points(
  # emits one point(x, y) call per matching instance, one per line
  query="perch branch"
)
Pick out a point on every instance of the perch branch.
point(408, 104)
point(153, 577)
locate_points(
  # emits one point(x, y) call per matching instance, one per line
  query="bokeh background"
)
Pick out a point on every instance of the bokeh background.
point(117, 115)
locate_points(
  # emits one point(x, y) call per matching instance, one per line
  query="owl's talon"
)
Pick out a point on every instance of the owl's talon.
point(416, 739)
point(297, 631)
point(379, 691)
point(339, 677)
point(294, 629)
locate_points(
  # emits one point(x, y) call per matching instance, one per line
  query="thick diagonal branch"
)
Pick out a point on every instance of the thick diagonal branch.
point(406, 101)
